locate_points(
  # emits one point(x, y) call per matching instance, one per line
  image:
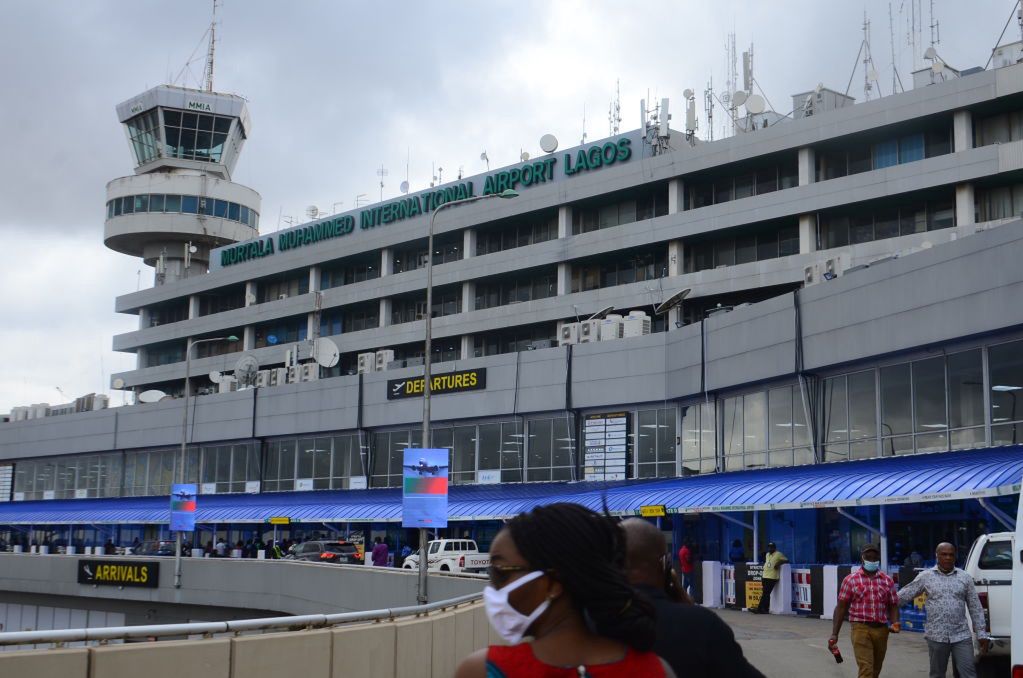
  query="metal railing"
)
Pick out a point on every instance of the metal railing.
point(103, 635)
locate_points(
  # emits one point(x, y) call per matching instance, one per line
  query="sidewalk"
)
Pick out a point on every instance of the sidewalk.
point(797, 646)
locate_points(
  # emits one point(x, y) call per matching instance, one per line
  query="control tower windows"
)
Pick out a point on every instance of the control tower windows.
point(195, 136)
point(154, 203)
point(144, 133)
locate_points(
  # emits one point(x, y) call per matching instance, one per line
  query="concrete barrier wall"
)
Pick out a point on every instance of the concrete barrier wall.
point(288, 587)
point(421, 647)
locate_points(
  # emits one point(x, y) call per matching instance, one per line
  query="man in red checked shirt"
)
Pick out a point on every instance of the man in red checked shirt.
point(869, 597)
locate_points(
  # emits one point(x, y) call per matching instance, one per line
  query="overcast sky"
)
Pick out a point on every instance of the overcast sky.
point(337, 90)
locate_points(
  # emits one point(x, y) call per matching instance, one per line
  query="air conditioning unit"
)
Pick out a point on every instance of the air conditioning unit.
point(384, 358)
point(589, 330)
point(309, 371)
point(263, 378)
point(569, 334)
point(227, 384)
point(278, 376)
point(810, 275)
point(367, 362)
point(636, 324)
point(611, 327)
point(832, 268)
point(295, 374)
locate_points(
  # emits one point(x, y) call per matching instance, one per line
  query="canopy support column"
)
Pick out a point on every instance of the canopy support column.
point(755, 528)
point(998, 514)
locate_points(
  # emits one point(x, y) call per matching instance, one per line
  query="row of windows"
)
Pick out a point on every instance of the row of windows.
point(755, 182)
point(839, 230)
point(768, 243)
point(887, 153)
point(144, 135)
point(646, 204)
point(959, 400)
point(622, 270)
point(539, 228)
point(541, 285)
point(181, 204)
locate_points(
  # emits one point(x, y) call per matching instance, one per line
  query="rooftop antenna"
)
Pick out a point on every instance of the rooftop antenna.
point(583, 140)
point(869, 71)
point(708, 107)
point(935, 26)
point(381, 172)
point(208, 73)
point(731, 80)
point(485, 158)
point(360, 200)
point(691, 122)
point(614, 111)
point(891, 38)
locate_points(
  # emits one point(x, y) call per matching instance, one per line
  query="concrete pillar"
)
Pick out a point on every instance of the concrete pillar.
point(250, 293)
point(468, 346)
point(140, 357)
point(193, 306)
point(143, 318)
point(386, 261)
point(807, 170)
point(807, 233)
point(314, 279)
point(962, 131)
point(468, 243)
point(564, 279)
point(385, 312)
point(965, 205)
point(468, 296)
point(312, 326)
point(564, 221)
point(676, 257)
point(249, 338)
point(676, 194)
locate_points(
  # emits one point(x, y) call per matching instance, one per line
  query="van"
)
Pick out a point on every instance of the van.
point(990, 564)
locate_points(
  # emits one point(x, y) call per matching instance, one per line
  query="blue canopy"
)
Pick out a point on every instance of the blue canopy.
point(967, 474)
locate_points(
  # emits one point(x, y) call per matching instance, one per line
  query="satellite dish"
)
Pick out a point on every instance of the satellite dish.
point(326, 352)
point(245, 370)
point(755, 104)
point(404, 187)
point(312, 211)
point(549, 143)
point(216, 376)
point(524, 156)
point(192, 249)
point(118, 383)
point(937, 67)
point(153, 396)
point(601, 313)
point(483, 157)
point(739, 98)
point(672, 301)
point(271, 339)
point(688, 93)
point(930, 53)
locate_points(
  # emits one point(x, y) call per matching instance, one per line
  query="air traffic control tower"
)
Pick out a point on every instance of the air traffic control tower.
point(181, 202)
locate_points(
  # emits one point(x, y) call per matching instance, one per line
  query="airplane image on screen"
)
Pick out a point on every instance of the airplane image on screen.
point(184, 496)
point(422, 468)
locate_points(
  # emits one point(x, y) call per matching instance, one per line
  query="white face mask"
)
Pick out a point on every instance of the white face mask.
point(509, 623)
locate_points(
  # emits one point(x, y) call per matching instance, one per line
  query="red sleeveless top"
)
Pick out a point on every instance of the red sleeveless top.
point(518, 661)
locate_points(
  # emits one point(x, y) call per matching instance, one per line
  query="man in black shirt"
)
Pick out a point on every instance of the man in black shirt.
point(692, 639)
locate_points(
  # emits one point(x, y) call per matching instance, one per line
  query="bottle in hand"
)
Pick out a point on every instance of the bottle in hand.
point(835, 652)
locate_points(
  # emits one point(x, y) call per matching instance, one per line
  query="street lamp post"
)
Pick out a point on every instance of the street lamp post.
point(427, 355)
point(184, 439)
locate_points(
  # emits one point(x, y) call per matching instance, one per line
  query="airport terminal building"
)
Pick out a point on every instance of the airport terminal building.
point(849, 351)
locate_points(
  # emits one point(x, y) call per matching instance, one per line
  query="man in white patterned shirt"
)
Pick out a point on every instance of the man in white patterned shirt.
point(950, 593)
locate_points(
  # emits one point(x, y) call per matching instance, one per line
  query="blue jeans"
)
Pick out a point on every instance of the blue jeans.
point(962, 655)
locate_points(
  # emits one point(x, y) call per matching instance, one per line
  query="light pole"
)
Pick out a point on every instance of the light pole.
point(184, 439)
point(427, 354)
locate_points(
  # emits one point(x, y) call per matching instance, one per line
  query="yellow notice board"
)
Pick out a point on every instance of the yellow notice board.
point(655, 511)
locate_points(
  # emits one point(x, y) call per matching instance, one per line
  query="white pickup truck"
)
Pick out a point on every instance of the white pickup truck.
point(451, 555)
point(990, 564)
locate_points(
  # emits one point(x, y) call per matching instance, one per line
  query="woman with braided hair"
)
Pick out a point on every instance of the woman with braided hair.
point(556, 575)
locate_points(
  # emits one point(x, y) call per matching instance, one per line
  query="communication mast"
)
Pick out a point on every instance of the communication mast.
point(708, 108)
point(208, 73)
point(614, 111)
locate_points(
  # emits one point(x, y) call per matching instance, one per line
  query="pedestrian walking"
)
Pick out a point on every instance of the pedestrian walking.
point(556, 575)
point(772, 573)
point(950, 593)
point(379, 553)
point(685, 565)
point(868, 596)
point(221, 548)
point(692, 639)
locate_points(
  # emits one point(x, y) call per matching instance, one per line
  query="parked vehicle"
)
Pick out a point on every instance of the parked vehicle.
point(338, 552)
point(154, 548)
point(451, 555)
point(990, 563)
point(1017, 597)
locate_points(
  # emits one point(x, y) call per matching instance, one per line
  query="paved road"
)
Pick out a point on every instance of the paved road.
point(797, 646)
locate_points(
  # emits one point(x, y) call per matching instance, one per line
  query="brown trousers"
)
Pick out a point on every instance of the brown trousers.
point(869, 646)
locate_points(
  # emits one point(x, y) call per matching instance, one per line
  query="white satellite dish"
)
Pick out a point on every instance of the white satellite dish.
point(755, 104)
point(245, 370)
point(524, 156)
point(739, 98)
point(192, 249)
point(118, 383)
point(549, 143)
point(672, 301)
point(152, 396)
point(216, 376)
point(326, 352)
point(312, 211)
point(688, 93)
point(930, 53)
point(403, 187)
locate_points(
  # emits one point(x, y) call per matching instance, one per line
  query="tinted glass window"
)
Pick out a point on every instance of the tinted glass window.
point(997, 555)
